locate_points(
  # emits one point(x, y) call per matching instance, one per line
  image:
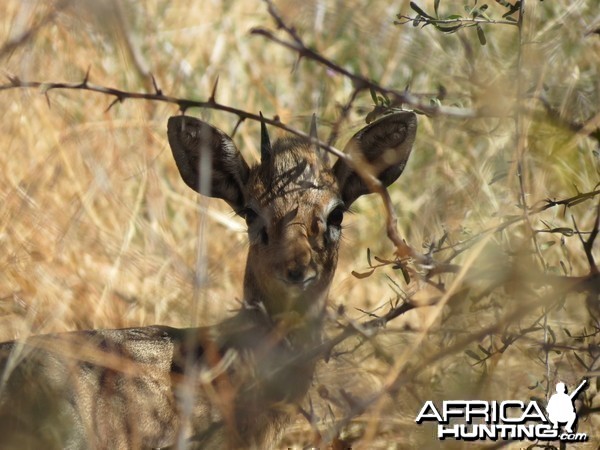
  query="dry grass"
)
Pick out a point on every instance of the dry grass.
point(97, 230)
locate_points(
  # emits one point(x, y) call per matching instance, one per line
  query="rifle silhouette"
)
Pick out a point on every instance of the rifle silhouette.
point(576, 391)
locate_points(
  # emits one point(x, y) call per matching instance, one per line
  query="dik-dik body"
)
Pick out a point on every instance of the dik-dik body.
point(234, 384)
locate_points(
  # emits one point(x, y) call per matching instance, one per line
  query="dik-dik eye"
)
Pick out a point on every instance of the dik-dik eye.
point(336, 217)
point(249, 215)
point(253, 222)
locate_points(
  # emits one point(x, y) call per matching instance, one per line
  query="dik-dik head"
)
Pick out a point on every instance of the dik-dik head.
point(293, 201)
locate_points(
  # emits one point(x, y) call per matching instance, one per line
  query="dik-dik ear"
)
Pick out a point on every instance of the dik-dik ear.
point(203, 152)
point(385, 145)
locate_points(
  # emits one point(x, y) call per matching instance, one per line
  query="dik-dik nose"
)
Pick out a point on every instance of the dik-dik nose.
point(298, 268)
point(296, 274)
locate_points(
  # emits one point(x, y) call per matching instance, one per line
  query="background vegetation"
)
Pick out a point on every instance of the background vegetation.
point(500, 198)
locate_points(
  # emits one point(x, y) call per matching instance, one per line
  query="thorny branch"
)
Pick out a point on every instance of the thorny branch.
point(360, 82)
point(121, 96)
point(363, 170)
point(184, 104)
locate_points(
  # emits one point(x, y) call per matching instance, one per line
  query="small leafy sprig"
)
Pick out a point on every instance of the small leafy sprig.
point(475, 16)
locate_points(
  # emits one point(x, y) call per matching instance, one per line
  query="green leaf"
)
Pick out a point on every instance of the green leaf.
point(448, 30)
point(485, 351)
point(373, 95)
point(436, 5)
point(384, 100)
point(419, 11)
point(567, 332)
point(515, 7)
point(564, 231)
point(481, 35)
point(473, 355)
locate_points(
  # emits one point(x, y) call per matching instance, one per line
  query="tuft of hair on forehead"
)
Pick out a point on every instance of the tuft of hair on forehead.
point(290, 152)
point(294, 165)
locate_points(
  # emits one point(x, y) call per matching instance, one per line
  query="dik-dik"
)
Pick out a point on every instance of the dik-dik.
point(230, 385)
